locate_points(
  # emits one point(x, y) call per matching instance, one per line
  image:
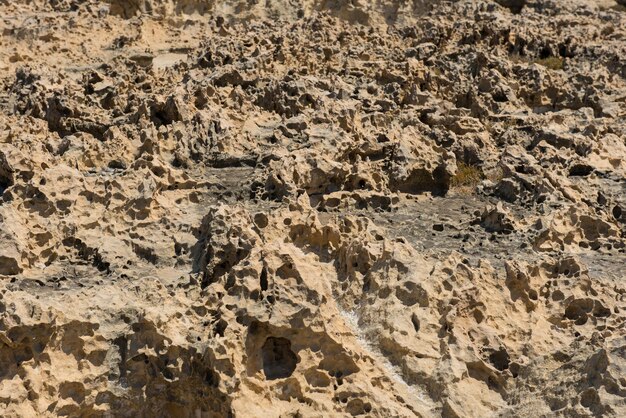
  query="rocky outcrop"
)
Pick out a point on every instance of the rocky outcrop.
point(387, 209)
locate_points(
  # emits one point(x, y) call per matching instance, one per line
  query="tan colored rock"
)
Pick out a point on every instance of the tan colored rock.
point(312, 209)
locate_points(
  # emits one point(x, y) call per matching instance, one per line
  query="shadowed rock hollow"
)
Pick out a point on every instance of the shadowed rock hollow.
point(312, 209)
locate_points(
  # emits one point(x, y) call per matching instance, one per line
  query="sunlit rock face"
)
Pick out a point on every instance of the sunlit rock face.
point(312, 209)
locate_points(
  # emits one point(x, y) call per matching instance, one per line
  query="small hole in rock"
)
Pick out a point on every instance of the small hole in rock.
point(279, 361)
point(500, 359)
point(416, 322)
point(263, 279)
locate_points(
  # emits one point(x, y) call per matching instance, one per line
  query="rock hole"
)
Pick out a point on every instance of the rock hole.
point(438, 227)
point(589, 398)
point(416, 322)
point(580, 170)
point(358, 407)
point(600, 311)
point(220, 327)
point(260, 220)
point(500, 359)
point(279, 361)
point(478, 316)
point(5, 182)
point(263, 279)
point(582, 320)
point(578, 309)
point(557, 295)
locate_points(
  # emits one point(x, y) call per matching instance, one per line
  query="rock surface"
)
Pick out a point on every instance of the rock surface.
point(312, 209)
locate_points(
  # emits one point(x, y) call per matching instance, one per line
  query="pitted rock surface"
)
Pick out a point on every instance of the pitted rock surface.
point(312, 209)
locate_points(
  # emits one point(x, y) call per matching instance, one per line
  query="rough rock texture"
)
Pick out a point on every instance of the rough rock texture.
point(312, 209)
